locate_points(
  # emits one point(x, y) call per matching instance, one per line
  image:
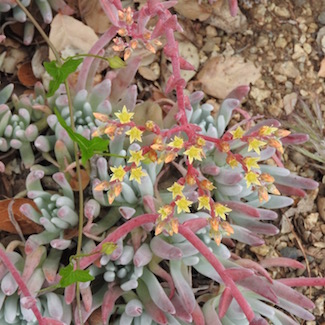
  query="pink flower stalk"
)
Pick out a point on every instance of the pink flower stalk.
point(22, 286)
point(112, 294)
point(204, 250)
point(114, 236)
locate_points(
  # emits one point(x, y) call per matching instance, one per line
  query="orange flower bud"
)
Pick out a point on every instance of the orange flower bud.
point(266, 178)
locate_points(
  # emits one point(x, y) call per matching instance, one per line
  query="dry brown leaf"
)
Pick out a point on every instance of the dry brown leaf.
point(26, 75)
point(191, 54)
point(26, 225)
point(289, 102)
point(85, 179)
point(222, 18)
point(193, 10)
point(220, 75)
point(94, 16)
point(70, 36)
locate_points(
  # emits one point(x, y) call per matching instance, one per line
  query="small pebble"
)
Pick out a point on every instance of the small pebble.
point(321, 17)
point(291, 252)
point(282, 12)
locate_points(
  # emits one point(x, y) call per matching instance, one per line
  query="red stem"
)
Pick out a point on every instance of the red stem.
point(212, 259)
point(114, 236)
point(22, 286)
point(177, 74)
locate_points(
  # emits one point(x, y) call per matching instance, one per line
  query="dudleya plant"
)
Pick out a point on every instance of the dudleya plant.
point(45, 8)
point(140, 240)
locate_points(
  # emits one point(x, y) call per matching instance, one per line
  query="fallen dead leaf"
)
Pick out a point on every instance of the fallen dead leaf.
point(85, 179)
point(289, 102)
point(25, 75)
point(26, 225)
point(94, 16)
point(70, 36)
point(193, 10)
point(191, 54)
point(222, 18)
point(221, 75)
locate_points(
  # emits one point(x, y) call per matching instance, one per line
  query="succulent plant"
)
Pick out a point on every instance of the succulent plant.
point(36, 269)
point(45, 8)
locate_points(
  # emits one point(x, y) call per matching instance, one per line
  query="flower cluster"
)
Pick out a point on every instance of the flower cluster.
point(45, 8)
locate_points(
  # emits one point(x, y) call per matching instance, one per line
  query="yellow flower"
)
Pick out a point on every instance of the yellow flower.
point(136, 157)
point(200, 142)
point(252, 178)
point(204, 202)
point(232, 162)
point(221, 210)
point(183, 205)
point(176, 143)
point(267, 130)
point(165, 211)
point(124, 116)
point(255, 145)
point(118, 173)
point(251, 162)
point(176, 189)
point(136, 174)
point(135, 134)
point(207, 185)
point(194, 153)
point(238, 133)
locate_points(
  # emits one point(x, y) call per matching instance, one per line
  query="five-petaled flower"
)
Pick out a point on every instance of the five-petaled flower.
point(136, 174)
point(135, 134)
point(267, 130)
point(251, 162)
point(136, 157)
point(183, 204)
point(194, 153)
point(204, 202)
point(118, 173)
point(252, 178)
point(254, 144)
point(176, 189)
point(238, 133)
point(124, 116)
point(177, 143)
point(165, 211)
point(221, 210)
